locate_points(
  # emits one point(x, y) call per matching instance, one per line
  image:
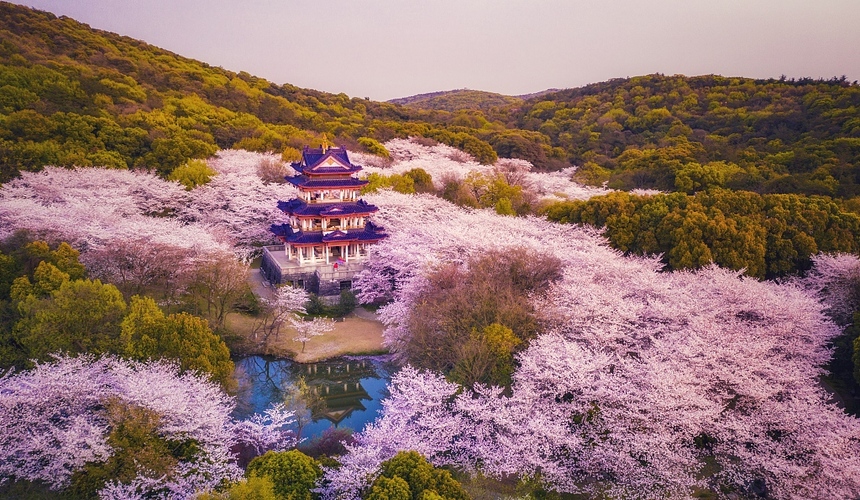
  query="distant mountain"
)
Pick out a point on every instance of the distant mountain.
point(535, 95)
point(457, 100)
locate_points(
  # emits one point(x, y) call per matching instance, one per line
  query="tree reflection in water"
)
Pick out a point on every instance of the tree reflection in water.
point(345, 392)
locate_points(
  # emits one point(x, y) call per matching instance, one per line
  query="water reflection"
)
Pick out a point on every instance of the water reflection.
point(339, 393)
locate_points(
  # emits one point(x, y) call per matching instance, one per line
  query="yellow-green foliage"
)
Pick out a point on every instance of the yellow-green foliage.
point(765, 235)
point(75, 96)
point(192, 173)
point(422, 181)
point(459, 100)
point(146, 333)
point(397, 182)
point(252, 488)
point(667, 132)
point(409, 476)
point(487, 191)
point(374, 147)
point(137, 449)
point(51, 307)
point(292, 472)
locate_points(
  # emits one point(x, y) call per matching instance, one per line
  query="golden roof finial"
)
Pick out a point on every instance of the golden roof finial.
point(324, 142)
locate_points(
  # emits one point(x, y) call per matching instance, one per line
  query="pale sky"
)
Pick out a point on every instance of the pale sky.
point(383, 49)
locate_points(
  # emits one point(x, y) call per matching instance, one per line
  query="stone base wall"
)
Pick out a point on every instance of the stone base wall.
point(323, 280)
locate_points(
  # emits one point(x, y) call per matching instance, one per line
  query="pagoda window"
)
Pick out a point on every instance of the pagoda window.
point(334, 224)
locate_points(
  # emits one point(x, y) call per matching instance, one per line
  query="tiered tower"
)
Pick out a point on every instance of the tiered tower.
point(328, 224)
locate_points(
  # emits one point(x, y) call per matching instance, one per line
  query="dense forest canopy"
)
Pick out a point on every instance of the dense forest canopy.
point(689, 133)
point(77, 96)
point(72, 95)
point(457, 100)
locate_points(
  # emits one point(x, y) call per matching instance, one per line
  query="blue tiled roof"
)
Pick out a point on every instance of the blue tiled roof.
point(371, 232)
point(300, 208)
point(303, 181)
point(313, 157)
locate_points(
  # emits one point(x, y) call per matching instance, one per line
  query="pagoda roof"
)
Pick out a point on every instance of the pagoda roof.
point(303, 181)
point(325, 161)
point(371, 232)
point(301, 208)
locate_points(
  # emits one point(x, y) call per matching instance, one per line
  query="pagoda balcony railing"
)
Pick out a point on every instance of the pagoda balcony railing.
point(330, 199)
point(328, 228)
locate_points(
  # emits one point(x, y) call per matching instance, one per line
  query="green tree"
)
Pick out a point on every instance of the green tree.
point(384, 488)
point(252, 488)
point(421, 180)
point(293, 473)
point(148, 334)
point(486, 357)
point(374, 147)
point(137, 450)
point(66, 259)
point(192, 173)
point(46, 279)
point(80, 316)
point(421, 479)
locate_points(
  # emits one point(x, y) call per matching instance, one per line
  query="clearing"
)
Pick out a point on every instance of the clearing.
point(358, 333)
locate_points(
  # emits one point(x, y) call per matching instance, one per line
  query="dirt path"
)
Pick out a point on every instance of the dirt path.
point(358, 333)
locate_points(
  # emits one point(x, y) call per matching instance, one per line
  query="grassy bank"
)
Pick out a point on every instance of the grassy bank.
point(358, 333)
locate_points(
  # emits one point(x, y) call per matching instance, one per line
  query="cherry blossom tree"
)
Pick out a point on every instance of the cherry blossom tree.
point(644, 384)
point(277, 309)
point(306, 330)
point(836, 280)
point(442, 161)
point(139, 267)
point(237, 202)
point(53, 423)
point(93, 207)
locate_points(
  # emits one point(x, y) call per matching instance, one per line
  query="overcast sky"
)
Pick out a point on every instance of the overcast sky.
point(385, 49)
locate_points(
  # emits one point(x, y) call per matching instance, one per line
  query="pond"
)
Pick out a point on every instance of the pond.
point(342, 393)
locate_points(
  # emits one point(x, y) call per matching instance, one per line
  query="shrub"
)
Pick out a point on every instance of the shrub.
point(192, 173)
point(374, 147)
point(293, 473)
point(272, 170)
point(409, 476)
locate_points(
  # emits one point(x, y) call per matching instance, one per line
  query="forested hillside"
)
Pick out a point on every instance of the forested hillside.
point(72, 95)
point(458, 100)
point(690, 133)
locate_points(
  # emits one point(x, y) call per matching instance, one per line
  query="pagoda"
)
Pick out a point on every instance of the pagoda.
point(328, 227)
